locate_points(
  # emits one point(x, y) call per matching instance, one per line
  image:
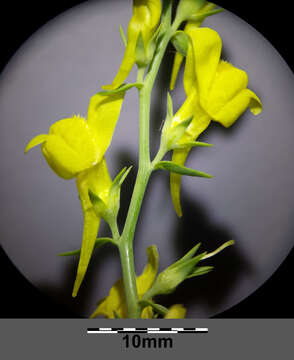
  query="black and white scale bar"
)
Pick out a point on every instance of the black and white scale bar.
point(114, 330)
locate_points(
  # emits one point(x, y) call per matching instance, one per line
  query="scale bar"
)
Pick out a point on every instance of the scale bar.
point(147, 330)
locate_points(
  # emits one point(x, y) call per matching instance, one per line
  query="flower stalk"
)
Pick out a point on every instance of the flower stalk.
point(145, 168)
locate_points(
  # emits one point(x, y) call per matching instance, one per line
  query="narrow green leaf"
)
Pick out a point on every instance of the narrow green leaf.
point(122, 88)
point(182, 170)
point(123, 36)
point(99, 243)
point(191, 144)
point(160, 309)
point(201, 270)
point(181, 42)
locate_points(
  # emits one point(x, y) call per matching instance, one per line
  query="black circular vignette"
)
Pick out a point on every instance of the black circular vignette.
point(20, 299)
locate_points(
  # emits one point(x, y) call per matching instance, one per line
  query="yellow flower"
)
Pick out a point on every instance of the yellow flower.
point(215, 89)
point(115, 303)
point(176, 311)
point(191, 24)
point(146, 16)
point(75, 147)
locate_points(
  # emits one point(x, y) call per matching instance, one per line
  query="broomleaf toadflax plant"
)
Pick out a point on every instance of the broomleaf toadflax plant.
point(75, 147)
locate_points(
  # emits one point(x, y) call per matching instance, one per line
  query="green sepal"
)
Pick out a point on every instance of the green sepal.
point(144, 53)
point(182, 170)
point(153, 43)
point(160, 309)
point(109, 212)
point(120, 178)
point(114, 193)
point(123, 36)
point(122, 88)
point(178, 131)
point(141, 53)
point(186, 8)
point(168, 117)
point(169, 106)
point(171, 135)
point(201, 270)
point(180, 41)
point(201, 17)
point(98, 204)
point(169, 279)
point(186, 257)
point(190, 144)
point(99, 243)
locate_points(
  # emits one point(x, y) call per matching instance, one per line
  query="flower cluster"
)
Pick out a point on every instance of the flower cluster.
point(75, 147)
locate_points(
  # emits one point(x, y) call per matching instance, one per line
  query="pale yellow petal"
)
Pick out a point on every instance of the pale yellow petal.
point(189, 79)
point(179, 157)
point(235, 108)
point(37, 140)
point(176, 311)
point(178, 59)
point(228, 82)
point(114, 303)
point(98, 180)
point(186, 110)
point(90, 230)
point(147, 313)
point(146, 279)
point(199, 123)
point(103, 114)
point(70, 147)
point(146, 15)
point(207, 46)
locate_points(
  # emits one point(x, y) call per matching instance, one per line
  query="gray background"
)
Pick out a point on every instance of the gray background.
point(250, 198)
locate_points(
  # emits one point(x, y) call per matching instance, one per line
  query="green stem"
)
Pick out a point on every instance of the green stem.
point(145, 168)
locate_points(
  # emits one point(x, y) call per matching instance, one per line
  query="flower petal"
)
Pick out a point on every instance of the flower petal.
point(234, 108)
point(103, 114)
point(228, 82)
point(199, 123)
point(37, 140)
point(179, 157)
point(146, 279)
point(176, 311)
point(116, 302)
point(97, 179)
point(189, 79)
point(113, 303)
point(71, 147)
point(178, 59)
point(146, 15)
point(207, 46)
